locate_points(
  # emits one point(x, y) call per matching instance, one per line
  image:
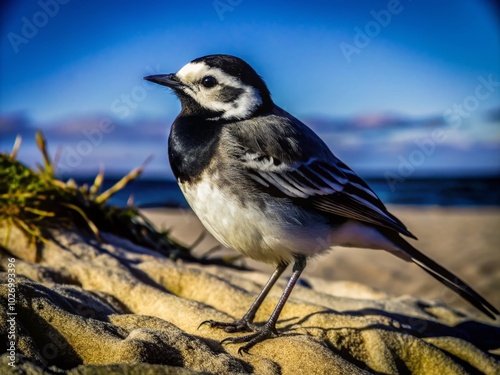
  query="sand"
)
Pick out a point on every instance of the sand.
point(86, 307)
point(464, 240)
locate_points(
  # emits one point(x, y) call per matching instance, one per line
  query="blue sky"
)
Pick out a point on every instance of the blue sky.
point(417, 60)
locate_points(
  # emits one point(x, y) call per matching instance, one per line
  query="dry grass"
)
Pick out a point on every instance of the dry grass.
point(36, 202)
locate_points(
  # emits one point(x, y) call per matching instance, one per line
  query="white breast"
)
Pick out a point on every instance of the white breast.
point(263, 235)
point(275, 232)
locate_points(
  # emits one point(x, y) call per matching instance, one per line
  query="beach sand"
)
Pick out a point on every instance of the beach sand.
point(464, 240)
point(111, 306)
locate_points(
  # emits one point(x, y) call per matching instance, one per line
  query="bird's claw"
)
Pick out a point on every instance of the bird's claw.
point(252, 339)
point(240, 325)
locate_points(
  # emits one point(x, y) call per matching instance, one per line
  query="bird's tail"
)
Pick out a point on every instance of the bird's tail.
point(443, 275)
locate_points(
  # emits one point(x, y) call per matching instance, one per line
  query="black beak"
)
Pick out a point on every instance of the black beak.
point(169, 80)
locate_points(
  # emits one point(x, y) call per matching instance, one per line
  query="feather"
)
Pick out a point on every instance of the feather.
point(441, 274)
point(324, 187)
point(267, 149)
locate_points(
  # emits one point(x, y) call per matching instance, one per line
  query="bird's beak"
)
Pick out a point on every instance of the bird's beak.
point(169, 80)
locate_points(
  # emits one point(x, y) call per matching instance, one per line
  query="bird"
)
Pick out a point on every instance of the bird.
point(264, 184)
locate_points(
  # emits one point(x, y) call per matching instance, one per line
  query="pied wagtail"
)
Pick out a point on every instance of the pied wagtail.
point(266, 185)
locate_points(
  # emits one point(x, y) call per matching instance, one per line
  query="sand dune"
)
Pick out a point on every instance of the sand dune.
point(464, 240)
point(87, 307)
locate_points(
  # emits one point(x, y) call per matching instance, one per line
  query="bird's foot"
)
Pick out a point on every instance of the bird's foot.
point(263, 333)
point(240, 325)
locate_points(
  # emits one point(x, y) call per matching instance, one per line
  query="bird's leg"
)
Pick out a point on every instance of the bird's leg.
point(246, 322)
point(268, 330)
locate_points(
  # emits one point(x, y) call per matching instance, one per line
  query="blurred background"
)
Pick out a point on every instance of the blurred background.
point(406, 92)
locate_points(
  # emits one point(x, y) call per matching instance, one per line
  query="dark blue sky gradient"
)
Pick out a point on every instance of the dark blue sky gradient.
point(427, 58)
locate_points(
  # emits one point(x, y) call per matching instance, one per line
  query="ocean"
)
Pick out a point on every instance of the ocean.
point(436, 191)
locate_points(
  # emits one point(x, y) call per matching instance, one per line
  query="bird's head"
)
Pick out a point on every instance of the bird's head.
point(218, 87)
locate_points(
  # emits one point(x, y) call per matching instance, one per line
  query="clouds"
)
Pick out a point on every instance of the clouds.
point(82, 145)
point(372, 144)
point(379, 143)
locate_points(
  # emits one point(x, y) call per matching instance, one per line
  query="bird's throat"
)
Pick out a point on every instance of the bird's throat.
point(191, 145)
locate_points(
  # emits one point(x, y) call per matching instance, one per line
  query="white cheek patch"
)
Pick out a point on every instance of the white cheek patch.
point(246, 103)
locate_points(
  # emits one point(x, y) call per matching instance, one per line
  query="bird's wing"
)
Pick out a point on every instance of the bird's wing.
point(330, 187)
point(441, 274)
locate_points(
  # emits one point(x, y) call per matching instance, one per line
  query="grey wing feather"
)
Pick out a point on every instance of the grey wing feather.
point(312, 177)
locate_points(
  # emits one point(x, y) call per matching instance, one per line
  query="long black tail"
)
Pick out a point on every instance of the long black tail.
point(443, 275)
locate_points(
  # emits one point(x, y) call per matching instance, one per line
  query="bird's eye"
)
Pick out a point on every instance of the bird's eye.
point(209, 81)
